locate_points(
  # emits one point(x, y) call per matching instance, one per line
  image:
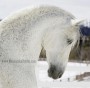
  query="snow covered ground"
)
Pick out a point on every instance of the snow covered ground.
point(70, 73)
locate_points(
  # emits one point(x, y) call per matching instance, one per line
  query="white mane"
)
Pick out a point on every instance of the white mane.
point(36, 14)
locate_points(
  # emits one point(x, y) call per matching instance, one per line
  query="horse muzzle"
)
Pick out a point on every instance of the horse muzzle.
point(54, 73)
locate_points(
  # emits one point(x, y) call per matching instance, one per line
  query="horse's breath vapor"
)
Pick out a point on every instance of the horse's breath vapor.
point(22, 37)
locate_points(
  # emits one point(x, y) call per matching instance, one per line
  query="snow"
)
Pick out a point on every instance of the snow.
point(70, 73)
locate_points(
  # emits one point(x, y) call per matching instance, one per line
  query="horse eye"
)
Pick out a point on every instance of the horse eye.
point(69, 41)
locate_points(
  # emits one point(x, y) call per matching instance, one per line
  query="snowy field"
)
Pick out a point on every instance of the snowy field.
point(71, 71)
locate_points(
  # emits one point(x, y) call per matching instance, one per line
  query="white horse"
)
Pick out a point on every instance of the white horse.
point(22, 37)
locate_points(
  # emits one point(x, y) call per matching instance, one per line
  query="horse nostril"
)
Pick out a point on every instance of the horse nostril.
point(60, 74)
point(52, 71)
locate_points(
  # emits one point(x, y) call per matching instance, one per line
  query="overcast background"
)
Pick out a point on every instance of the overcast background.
point(79, 8)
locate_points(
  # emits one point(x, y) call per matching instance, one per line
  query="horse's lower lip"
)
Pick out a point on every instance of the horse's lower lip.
point(54, 77)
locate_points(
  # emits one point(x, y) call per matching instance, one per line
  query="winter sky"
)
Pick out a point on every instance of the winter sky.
point(79, 8)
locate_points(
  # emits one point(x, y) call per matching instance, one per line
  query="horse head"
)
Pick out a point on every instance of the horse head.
point(58, 58)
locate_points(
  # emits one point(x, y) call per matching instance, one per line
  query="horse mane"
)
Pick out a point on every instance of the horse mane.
point(37, 13)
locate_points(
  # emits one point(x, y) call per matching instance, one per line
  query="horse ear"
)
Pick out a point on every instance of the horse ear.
point(77, 22)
